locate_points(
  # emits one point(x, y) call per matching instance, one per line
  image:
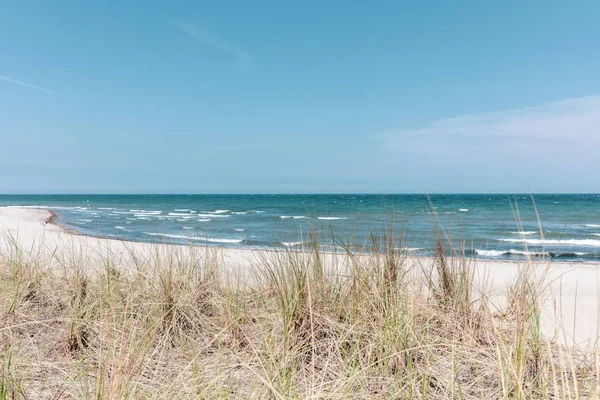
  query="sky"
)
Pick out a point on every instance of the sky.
point(299, 97)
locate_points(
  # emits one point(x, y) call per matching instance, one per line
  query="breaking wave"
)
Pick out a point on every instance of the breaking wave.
point(541, 242)
point(515, 252)
point(291, 244)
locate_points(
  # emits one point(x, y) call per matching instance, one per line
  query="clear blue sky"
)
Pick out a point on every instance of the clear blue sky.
point(308, 96)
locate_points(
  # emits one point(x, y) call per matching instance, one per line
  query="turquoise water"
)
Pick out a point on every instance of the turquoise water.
point(487, 224)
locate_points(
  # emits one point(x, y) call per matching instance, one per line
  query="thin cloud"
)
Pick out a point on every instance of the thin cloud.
point(32, 86)
point(549, 128)
point(242, 57)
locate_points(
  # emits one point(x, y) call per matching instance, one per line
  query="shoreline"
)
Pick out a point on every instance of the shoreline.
point(571, 313)
point(55, 216)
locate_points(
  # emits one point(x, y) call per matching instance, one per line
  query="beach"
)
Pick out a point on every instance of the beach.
point(571, 312)
point(94, 316)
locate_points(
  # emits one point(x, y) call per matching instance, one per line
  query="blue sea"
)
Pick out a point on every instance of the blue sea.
point(488, 226)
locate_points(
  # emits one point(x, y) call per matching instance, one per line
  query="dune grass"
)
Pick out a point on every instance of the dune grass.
point(173, 324)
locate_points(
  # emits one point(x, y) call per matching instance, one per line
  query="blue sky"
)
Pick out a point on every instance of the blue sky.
point(311, 96)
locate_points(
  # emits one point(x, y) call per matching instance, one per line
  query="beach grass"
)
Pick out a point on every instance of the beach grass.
point(304, 324)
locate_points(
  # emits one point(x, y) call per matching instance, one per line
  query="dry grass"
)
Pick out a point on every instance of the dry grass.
point(379, 325)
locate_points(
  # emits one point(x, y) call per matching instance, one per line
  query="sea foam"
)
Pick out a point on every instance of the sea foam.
point(211, 215)
point(498, 253)
point(491, 253)
point(540, 242)
point(196, 238)
point(291, 244)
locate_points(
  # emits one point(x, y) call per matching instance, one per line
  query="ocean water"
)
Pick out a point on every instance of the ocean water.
point(488, 226)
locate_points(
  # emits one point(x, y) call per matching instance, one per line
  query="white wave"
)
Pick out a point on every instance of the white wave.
point(239, 212)
point(132, 219)
point(530, 253)
point(85, 220)
point(128, 222)
point(524, 233)
point(498, 253)
point(299, 216)
point(122, 212)
point(213, 240)
point(181, 209)
point(204, 220)
point(592, 225)
point(144, 218)
point(150, 212)
point(596, 234)
point(122, 228)
point(134, 210)
point(490, 253)
point(106, 208)
point(187, 227)
point(182, 219)
point(196, 238)
point(239, 229)
point(178, 214)
point(331, 218)
point(463, 209)
point(211, 216)
point(540, 242)
point(450, 212)
point(291, 244)
point(218, 211)
point(409, 249)
point(285, 216)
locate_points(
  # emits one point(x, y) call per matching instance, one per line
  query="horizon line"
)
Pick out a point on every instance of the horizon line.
point(302, 194)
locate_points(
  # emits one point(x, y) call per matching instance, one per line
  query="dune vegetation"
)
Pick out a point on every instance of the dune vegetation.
point(376, 324)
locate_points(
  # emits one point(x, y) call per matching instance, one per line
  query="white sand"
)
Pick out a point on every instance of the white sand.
point(571, 311)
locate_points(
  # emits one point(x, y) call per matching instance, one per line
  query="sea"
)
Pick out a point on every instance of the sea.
point(557, 227)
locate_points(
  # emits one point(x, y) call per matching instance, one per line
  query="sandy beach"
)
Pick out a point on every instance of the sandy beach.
point(570, 311)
